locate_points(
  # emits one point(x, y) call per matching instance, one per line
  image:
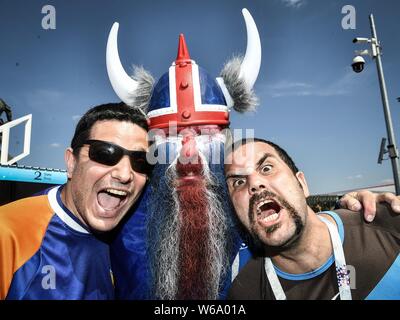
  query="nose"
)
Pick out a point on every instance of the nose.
point(189, 149)
point(256, 184)
point(123, 171)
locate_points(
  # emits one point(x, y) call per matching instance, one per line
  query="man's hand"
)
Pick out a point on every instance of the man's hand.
point(363, 199)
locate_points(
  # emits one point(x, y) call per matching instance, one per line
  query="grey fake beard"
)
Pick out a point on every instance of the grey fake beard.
point(167, 273)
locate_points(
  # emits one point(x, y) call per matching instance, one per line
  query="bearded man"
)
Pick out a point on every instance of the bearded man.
point(182, 239)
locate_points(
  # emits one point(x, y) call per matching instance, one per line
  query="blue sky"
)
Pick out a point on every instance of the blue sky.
point(328, 118)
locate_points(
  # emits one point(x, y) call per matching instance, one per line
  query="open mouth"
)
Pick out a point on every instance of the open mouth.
point(111, 199)
point(267, 211)
point(189, 174)
point(189, 169)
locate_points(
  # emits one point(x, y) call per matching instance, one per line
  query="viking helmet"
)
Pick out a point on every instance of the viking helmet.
point(187, 95)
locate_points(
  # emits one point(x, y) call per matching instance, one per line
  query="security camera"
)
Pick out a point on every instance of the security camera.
point(359, 40)
point(358, 64)
point(382, 150)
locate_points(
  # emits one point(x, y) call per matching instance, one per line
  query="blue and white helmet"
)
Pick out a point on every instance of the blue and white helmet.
point(187, 94)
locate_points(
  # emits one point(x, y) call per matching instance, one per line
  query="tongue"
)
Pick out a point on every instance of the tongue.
point(107, 201)
point(267, 213)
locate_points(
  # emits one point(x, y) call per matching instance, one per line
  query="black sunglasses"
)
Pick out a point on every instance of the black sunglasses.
point(110, 154)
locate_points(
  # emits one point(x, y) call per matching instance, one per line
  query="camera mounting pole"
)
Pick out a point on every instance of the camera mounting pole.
point(376, 52)
point(391, 147)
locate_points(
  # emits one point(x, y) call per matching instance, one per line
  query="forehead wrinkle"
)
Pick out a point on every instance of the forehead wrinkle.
point(240, 173)
point(247, 170)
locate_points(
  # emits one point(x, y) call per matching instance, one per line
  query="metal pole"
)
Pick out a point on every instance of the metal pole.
point(385, 101)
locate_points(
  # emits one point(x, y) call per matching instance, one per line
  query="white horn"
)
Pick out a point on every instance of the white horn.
point(123, 85)
point(252, 60)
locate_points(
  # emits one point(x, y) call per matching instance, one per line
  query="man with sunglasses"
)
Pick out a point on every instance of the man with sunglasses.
point(54, 246)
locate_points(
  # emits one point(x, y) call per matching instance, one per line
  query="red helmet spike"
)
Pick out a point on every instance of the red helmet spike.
point(183, 52)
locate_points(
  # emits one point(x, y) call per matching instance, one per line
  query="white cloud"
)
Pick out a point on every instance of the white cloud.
point(342, 86)
point(286, 88)
point(284, 85)
point(55, 145)
point(294, 3)
point(76, 117)
point(357, 176)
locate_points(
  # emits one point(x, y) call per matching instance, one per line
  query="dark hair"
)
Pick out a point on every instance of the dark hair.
point(110, 111)
point(282, 153)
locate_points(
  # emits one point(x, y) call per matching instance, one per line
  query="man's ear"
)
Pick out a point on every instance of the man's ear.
point(70, 161)
point(302, 180)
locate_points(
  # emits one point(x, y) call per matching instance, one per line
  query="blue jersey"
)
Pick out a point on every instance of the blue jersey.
point(47, 253)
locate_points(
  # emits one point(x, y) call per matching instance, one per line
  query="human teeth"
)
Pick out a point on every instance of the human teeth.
point(117, 192)
point(272, 217)
point(261, 204)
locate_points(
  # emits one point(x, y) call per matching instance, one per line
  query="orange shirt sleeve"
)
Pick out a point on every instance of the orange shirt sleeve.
point(23, 225)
